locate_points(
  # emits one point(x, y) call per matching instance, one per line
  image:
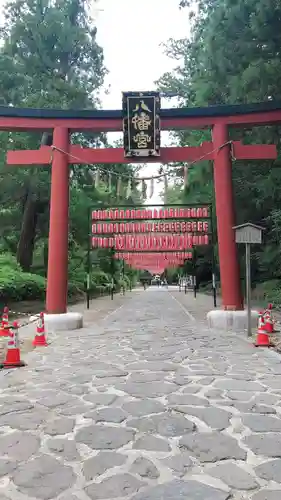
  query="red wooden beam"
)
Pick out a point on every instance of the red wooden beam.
point(168, 155)
point(254, 151)
point(43, 156)
point(73, 124)
point(116, 124)
point(108, 155)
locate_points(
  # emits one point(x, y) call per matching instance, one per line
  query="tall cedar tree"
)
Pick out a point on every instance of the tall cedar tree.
point(50, 59)
point(233, 56)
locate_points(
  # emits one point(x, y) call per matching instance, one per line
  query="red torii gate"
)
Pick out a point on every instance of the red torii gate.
point(62, 153)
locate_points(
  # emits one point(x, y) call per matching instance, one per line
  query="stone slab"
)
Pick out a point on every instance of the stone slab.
point(179, 463)
point(186, 490)
point(63, 322)
point(233, 476)
point(163, 424)
point(103, 461)
point(231, 320)
point(145, 468)
point(43, 477)
point(271, 471)
point(212, 447)
point(120, 485)
point(104, 437)
point(267, 495)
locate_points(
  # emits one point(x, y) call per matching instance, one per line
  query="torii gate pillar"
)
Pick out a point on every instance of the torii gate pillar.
point(57, 317)
point(56, 298)
point(228, 254)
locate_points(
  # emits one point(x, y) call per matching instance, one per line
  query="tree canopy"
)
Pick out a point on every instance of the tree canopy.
point(50, 58)
point(233, 56)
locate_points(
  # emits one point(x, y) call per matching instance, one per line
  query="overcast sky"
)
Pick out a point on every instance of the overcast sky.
point(131, 32)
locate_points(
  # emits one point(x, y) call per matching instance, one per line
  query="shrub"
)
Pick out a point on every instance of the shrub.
point(16, 286)
point(269, 291)
point(9, 260)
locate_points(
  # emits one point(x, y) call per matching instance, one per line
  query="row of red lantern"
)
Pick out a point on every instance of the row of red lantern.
point(157, 259)
point(154, 270)
point(146, 266)
point(145, 213)
point(162, 262)
point(155, 242)
point(141, 265)
point(163, 255)
point(148, 227)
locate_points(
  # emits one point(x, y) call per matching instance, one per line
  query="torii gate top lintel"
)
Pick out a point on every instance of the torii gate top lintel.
point(238, 115)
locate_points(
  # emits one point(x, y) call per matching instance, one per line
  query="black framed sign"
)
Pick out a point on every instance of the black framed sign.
point(141, 124)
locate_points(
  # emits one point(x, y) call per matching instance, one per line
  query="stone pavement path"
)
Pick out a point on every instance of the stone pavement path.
point(145, 404)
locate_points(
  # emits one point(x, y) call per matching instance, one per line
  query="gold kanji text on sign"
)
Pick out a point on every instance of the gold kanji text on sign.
point(141, 122)
point(142, 140)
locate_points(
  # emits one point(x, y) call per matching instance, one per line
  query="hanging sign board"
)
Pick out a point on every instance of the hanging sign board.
point(248, 233)
point(141, 124)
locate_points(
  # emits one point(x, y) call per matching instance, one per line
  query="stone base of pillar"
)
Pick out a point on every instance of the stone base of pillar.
point(63, 322)
point(231, 320)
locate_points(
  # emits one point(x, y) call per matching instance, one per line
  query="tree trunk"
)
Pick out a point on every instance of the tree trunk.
point(27, 235)
point(45, 257)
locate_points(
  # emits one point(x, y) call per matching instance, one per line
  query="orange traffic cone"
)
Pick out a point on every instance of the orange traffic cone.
point(268, 327)
point(13, 352)
point(262, 339)
point(4, 327)
point(40, 337)
point(270, 311)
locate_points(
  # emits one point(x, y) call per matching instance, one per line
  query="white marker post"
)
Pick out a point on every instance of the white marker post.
point(249, 234)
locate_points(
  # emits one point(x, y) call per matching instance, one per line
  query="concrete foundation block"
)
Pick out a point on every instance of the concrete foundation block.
point(231, 320)
point(63, 322)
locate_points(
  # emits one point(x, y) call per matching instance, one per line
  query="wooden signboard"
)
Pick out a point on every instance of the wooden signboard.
point(141, 124)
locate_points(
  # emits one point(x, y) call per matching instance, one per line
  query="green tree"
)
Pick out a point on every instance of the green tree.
point(233, 56)
point(49, 58)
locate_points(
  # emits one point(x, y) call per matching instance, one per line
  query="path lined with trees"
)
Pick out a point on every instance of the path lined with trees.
point(233, 57)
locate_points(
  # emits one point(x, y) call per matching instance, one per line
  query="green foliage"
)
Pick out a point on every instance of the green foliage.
point(8, 260)
point(100, 278)
point(16, 285)
point(50, 58)
point(268, 291)
point(233, 56)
